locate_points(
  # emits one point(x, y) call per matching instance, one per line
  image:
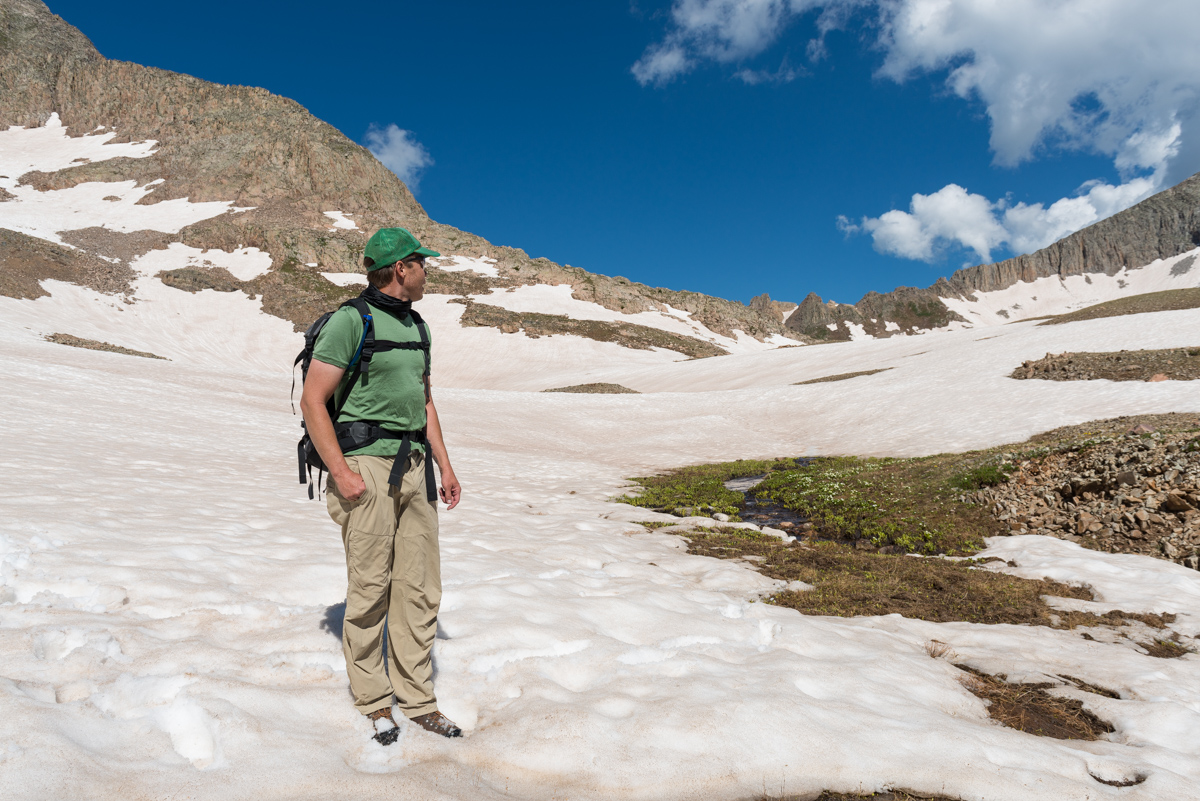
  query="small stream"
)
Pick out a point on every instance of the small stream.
point(765, 512)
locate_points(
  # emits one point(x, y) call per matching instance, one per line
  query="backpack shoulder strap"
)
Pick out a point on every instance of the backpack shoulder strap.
point(366, 346)
point(423, 331)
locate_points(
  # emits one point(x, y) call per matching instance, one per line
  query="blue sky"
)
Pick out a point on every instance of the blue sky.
point(700, 145)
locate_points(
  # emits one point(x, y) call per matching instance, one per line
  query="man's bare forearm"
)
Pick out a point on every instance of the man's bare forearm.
point(433, 437)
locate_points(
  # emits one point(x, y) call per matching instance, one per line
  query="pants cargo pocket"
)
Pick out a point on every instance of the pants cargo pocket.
point(369, 559)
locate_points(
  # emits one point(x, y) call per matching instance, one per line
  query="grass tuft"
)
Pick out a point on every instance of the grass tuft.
point(988, 475)
point(1029, 708)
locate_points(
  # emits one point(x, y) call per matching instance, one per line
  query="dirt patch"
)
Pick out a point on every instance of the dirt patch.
point(889, 795)
point(1173, 364)
point(639, 337)
point(841, 376)
point(596, 389)
point(1029, 708)
point(197, 279)
point(1091, 688)
point(1170, 300)
point(124, 247)
point(92, 344)
point(26, 261)
point(460, 282)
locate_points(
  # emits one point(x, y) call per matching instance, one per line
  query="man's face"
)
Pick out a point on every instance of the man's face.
point(411, 276)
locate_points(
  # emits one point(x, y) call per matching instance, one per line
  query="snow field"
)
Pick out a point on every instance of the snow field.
point(170, 600)
point(174, 613)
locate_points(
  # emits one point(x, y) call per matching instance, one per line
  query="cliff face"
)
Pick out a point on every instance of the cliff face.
point(1159, 227)
point(258, 149)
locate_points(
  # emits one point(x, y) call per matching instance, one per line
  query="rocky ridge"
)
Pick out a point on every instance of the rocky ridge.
point(246, 145)
point(1159, 227)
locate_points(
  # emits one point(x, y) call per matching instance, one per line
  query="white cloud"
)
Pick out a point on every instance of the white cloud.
point(661, 64)
point(1111, 76)
point(399, 151)
point(953, 218)
point(785, 74)
point(1115, 77)
point(719, 30)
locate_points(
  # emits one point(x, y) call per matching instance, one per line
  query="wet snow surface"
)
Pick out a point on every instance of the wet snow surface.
point(170, 600)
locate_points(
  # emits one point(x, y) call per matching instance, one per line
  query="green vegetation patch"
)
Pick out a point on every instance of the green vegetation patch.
point(700, 489)
point(906, 505)
point(988, 475)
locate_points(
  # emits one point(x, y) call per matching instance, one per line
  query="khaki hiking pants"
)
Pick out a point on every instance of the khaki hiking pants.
point(394, 583)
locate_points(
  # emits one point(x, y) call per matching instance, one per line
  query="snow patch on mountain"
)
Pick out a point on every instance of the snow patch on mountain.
point(1058, 295)
point(341, 220)
point(244, 264)
point(114, 205)
point(346, 279)
point(458, 264)
point(49, 149)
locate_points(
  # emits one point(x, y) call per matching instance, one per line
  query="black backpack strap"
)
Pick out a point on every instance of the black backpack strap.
point(367, 349)
point(423, 330)
point(396, 477)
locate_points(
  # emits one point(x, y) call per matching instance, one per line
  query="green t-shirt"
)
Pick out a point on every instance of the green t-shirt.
point(394, 393)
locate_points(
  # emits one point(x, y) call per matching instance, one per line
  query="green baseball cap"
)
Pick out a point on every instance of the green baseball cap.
point(389, 245)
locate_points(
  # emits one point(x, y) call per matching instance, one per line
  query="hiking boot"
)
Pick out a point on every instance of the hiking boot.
point(386, 730)
point(437, 723)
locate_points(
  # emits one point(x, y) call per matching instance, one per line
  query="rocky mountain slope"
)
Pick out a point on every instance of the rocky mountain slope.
point(283, 171)
point(259, 150)
point(1159, 227)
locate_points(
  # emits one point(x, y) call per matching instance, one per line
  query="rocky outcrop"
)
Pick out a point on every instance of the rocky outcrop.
point(246, 145)
point(774, 308)
point(1172, 364)
point(1137, 492)
point(1159, 227)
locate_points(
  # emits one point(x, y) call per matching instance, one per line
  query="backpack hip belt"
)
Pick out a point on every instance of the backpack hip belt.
point(360, 434)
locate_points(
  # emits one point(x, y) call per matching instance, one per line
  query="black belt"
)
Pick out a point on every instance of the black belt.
point(360, 434)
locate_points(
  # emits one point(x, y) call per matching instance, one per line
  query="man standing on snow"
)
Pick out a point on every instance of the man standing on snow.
point(380, 489)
